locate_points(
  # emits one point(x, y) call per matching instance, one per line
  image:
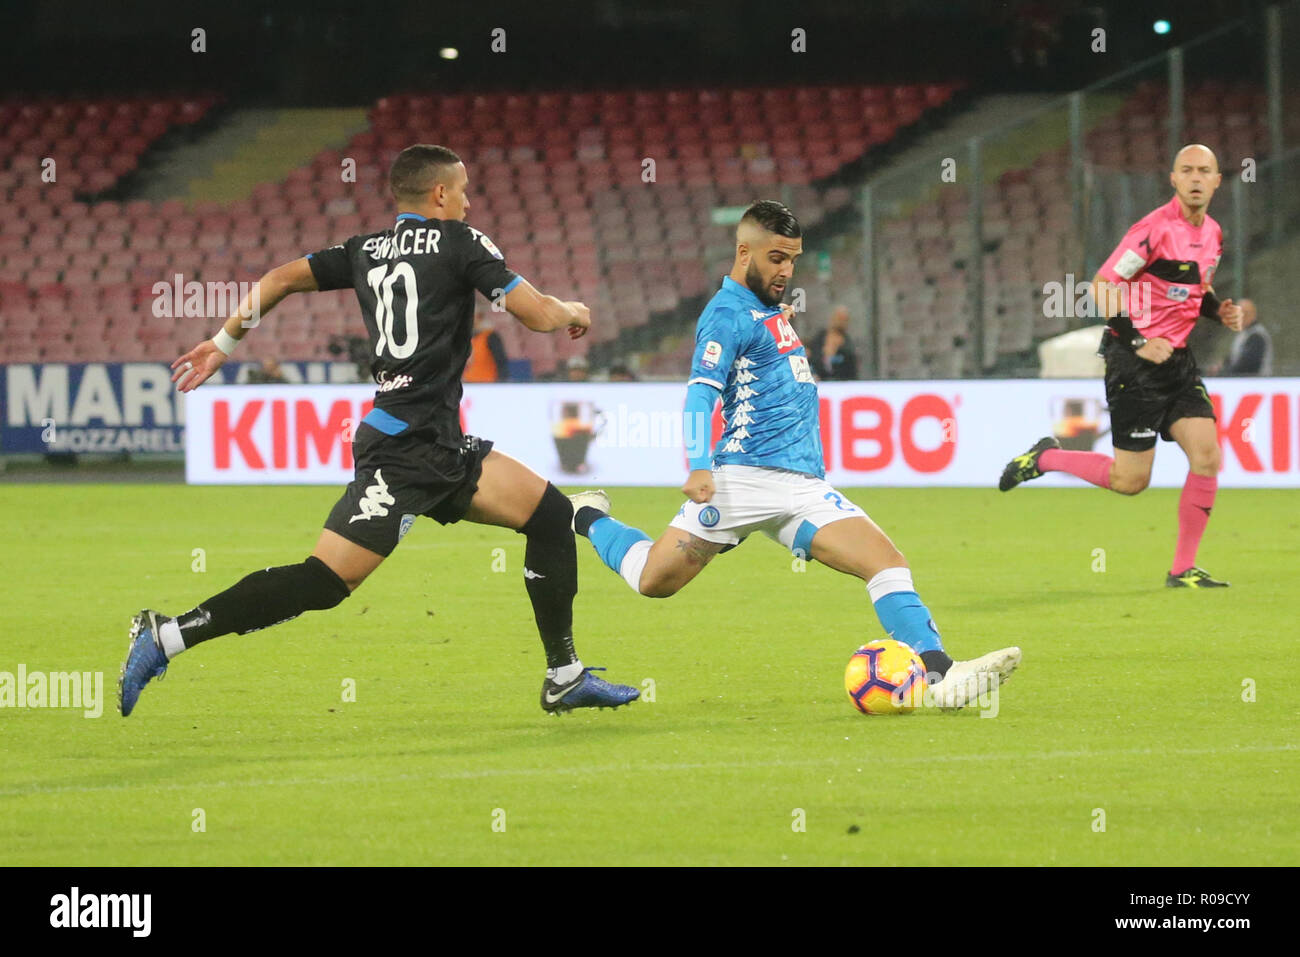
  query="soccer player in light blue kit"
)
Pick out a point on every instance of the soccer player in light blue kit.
point(767, 473)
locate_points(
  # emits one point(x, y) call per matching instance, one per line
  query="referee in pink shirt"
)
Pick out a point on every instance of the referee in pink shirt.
point(1152, 290)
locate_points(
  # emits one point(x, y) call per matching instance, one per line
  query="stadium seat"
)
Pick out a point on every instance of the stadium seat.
point(561, 191)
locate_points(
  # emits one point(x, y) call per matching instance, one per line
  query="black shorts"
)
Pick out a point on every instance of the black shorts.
point(1146, 398)
point(400, 477)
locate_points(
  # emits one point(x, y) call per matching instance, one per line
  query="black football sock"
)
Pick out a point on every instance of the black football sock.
point(551, 574)
point(936, 662)
point(262, 599)
point(583, 518)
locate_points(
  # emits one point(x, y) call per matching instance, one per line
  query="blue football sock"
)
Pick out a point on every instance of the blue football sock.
point(906, 618)
point(612, 539)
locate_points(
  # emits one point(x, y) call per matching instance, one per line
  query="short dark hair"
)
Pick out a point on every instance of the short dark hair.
point(774, 217)
point(418, 169)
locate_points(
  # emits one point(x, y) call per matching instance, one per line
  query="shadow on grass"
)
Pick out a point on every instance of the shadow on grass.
point(995, 602)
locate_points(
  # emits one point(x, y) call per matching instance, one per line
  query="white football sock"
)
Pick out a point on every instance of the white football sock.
point(169, 636)
point(633, 564)
point(565, 674)
point(889, 581)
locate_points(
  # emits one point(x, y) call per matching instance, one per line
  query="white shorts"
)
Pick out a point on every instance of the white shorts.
point(786, 506)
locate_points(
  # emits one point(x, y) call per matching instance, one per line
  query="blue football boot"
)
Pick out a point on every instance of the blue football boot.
point(144, 660)
point(585, 691)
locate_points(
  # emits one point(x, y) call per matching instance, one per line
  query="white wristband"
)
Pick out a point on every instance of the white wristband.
point(225, 341)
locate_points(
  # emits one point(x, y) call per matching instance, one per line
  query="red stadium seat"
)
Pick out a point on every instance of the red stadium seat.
point(545, 169)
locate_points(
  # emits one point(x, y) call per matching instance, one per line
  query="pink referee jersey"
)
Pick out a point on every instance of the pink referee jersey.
point(1166, 264)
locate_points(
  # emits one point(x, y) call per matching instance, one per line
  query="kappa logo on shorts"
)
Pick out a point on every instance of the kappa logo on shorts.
point(709, 516)
point(407, 521)
point(376, 501)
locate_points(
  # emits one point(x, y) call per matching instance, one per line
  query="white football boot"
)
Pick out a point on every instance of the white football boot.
point(966, 681)
point(596, 499)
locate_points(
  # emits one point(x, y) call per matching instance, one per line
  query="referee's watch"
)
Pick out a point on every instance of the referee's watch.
point(1137, 342)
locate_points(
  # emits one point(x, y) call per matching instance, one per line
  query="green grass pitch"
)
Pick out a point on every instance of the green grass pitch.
point(1129, 702)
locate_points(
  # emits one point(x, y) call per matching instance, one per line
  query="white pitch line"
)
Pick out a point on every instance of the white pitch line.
point(839, 763)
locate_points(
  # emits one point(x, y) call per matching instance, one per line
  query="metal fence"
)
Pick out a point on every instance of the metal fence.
point(948, 265)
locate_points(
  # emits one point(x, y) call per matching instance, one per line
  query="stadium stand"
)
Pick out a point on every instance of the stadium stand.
point(558, 179)
point(1029, 233)
point(67, 262)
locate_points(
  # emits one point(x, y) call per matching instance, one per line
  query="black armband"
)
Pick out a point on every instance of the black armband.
point(1210, 305)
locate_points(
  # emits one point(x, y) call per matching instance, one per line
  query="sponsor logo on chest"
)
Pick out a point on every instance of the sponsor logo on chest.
point(783, 334)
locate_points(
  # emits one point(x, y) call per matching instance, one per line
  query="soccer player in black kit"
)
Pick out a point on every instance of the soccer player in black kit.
point(415, 282)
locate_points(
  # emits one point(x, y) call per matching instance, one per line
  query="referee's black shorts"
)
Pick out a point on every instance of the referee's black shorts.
point(400, 477)
point(1147, 398)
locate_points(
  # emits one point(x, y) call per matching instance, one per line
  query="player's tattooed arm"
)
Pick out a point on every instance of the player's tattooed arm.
point(698, 552)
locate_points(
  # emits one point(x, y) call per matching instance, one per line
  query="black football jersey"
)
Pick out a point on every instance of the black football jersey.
point(416, 283)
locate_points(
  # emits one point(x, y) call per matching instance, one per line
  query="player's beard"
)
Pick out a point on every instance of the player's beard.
point(754, 280)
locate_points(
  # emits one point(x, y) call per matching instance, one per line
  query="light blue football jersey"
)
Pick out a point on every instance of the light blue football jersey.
point(769, 397)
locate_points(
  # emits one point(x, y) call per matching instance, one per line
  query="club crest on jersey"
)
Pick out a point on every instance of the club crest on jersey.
point(712, 353)
point(710, 516)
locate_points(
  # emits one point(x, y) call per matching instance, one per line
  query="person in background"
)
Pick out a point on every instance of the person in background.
point(577, 370)
point(621, 373)
point(1252, 348)
point(487, 355)
point(830, 352)
point(1152, 290)
point(268, 373)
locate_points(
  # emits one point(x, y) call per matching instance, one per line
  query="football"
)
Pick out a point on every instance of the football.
point(885, 677)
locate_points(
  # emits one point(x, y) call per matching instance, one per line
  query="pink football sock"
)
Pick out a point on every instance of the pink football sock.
point(1090, 466)
point(1193, 515)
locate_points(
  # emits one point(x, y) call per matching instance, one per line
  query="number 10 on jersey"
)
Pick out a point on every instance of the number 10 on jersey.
point(381, 280)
